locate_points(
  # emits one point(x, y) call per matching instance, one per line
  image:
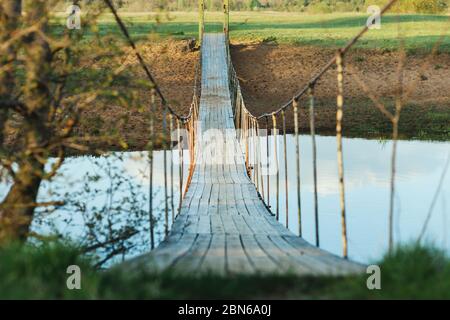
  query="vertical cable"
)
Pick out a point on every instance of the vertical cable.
point(286, 182)
point(268, 161)
point(150, 160)
point(255, 156)
point(297, 155)
point(274, 122)
point(180, 159)
point(314, 154)
point(247, 165)
point(172, 206)
point(166, 200)
point(339, 116)
point(259, 160)
point(201, 22)
point(226, 22)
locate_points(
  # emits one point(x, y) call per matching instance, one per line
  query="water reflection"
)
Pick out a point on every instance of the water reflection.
point(367, 167)
point(367, 178)
point(105, 196)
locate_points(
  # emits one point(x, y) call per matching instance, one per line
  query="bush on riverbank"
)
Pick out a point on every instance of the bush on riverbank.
point(404, 6)
point(40, 273)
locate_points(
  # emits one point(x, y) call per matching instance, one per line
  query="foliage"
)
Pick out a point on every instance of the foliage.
point(419, 272)
point(105, 210)
point(51, 78)
point(40, 272)
point(409, 272)
point(415, 6)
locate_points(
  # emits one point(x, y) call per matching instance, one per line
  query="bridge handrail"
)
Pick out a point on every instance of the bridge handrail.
point(250, 133)
point(167, 128)
point(144, 66)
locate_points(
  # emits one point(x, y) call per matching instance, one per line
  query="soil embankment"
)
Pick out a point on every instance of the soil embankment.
point(271, 74)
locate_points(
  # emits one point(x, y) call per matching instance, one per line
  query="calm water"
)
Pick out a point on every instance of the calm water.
point(367, 183)
point(367, 170)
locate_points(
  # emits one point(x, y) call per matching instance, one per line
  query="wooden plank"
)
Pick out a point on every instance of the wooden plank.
point(337, 265)
point(215, 257)
point(241, 225)
point(217, 224)
point(229, 225)
point(165, 255)
point(237, 260)
point(192, 259)
point(260, 260)
point(204, 224)
point(285, 262)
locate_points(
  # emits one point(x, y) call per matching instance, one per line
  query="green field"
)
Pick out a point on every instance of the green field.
point(418, 31)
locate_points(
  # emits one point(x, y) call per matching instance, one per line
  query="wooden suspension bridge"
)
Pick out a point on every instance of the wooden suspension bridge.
point(224, 223)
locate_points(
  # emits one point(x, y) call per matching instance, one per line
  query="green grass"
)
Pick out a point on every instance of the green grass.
point(329, 30)
point(433, 123)
point(40, 273)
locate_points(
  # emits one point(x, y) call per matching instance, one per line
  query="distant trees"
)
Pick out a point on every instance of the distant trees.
point(420, 6)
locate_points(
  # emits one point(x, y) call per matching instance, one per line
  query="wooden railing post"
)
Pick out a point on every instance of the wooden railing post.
point(166, 193)
point(172, 206)
point(274, 123)
point(151, 160)
point(297, 162)
point(314, 156)
point(180, 155)
point(340, 157)
point(267, 161)
point(201, 20)
point(286, 181)
point(226, 22)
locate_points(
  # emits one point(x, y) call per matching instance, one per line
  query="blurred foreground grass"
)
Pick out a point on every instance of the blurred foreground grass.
point(40, 273)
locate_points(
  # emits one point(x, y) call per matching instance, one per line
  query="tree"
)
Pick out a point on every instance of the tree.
point(10, 11)
point(43, 90)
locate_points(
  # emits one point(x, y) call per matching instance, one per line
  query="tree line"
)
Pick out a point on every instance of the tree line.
point(314, 6)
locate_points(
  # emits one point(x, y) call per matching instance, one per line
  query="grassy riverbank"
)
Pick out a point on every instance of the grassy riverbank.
point(330, 30)
point(40, 273)
point(275, 53)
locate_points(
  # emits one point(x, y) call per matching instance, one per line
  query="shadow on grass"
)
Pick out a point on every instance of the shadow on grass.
point(255, 30)
point(344, 22)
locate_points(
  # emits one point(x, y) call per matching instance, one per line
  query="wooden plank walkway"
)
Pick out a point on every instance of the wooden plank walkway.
point(223, 225)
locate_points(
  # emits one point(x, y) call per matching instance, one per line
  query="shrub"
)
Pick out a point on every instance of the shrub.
point(320, 7)
point(29, 272)
point(430, 6)
point(413, 6)
point(344, 7)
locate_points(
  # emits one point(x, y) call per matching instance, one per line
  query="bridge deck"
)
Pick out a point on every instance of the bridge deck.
point(223, 225)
